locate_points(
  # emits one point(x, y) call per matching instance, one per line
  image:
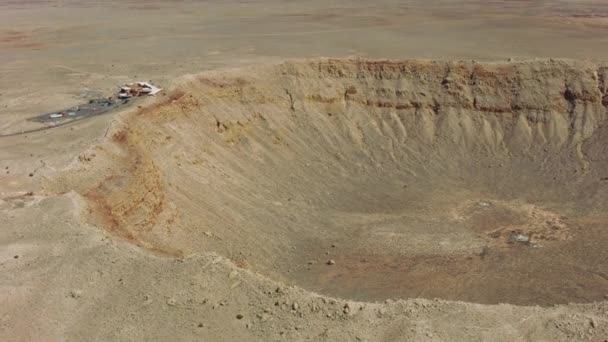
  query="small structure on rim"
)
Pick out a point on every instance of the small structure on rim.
point(137, 89)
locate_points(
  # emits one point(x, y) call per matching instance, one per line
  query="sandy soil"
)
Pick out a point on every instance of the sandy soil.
point(212, 211)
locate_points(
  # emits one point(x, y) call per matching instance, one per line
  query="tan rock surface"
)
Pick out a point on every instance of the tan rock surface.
point(212, 211)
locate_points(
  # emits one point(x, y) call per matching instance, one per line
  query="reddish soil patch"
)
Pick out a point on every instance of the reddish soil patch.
point(12, 39)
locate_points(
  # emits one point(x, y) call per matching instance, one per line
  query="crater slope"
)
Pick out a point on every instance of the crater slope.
point(481, 182)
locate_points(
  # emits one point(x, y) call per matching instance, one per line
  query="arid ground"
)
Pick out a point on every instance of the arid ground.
point(327, 171)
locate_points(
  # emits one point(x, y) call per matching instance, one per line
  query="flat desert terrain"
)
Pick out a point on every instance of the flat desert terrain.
point(319, 170)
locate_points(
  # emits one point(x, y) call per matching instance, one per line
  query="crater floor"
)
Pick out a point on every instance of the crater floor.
point(368, 180)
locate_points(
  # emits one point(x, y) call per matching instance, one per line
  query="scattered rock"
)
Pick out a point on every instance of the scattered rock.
point(239, 316)
point(86, 157)
point(75, 293)
point(519, 238)
point(331, 262)
point(201, 325)
point(484, 252)
point(593, 323)
point(295, 306)
point(16, 257)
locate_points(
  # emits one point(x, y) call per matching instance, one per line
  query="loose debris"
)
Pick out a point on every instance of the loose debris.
point(522, 239)
point(75, 293)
